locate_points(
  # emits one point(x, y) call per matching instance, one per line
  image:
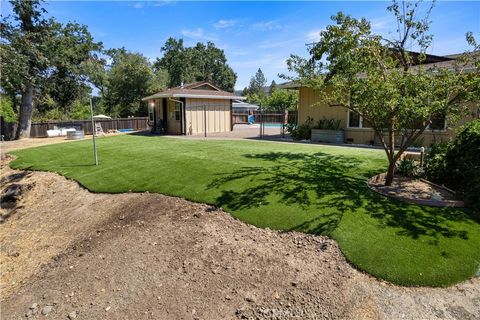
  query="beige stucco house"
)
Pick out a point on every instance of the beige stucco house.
point(191, 109)
point(358, 131)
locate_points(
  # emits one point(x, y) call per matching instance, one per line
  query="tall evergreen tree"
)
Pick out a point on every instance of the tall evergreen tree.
point(257, 83)
point(272, 88)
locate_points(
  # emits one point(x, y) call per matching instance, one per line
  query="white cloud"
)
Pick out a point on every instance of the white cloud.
point(222, 24)
point(278, 44)
point(381, 24)
point(271, 64)
point(162, 3)
point(138, 5)
point(143, 4)
point(267, 62)
point(314, 35)
point(198, 33)
point(266, 25)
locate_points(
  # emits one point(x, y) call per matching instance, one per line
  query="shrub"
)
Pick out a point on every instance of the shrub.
point(79, 110)
point(408, 168)
point(462, 162)
point(457, 165)
point(6, 110)
point(434, 165)
point(301, 132)
point(328, 124)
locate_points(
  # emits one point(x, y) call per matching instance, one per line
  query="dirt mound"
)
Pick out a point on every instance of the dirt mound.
point(72, 254)
point(417, 191)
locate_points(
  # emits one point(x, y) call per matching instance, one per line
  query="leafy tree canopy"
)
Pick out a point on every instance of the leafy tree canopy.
point(387, 85)
point(40, 56)
point(129, 79)
point(203, 62)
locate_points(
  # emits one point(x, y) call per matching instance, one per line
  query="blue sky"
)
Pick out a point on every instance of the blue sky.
point(253, 34)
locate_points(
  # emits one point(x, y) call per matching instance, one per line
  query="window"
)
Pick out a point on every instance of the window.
point(177, 111)
point(353, 120)
point(438, 123)
point(356, 121)
point(150, 113)
point(151, 110)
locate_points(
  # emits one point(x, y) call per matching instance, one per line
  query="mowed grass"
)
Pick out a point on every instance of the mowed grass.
point(314, 189)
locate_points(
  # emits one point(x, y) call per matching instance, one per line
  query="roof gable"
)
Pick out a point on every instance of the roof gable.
point(199, 85)
point(201, 89)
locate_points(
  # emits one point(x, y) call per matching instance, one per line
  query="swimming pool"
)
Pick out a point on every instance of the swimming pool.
point(267, 125)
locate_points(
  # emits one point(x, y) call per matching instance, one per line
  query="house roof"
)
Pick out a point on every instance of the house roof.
point(449, 62)
point(244, 105)
point(289, 85)
point(199, 90)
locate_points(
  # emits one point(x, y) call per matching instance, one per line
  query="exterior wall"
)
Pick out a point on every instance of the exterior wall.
point(218, 116)
point(308, 106)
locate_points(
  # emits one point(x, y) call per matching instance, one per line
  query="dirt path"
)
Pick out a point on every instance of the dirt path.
point(146, 256)
point(7, 146)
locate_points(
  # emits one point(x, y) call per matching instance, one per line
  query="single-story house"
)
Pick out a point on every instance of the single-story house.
point(358, 131)
point(190, 109)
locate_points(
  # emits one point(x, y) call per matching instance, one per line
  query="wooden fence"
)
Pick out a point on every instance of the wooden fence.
point(39, 129)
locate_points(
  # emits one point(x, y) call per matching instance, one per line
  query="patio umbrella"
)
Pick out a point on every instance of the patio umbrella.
point(101, 116)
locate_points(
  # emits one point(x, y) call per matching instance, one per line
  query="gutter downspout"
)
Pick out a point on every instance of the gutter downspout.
point(182, 122)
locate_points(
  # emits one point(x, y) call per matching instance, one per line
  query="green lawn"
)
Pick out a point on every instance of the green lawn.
point(315, 189)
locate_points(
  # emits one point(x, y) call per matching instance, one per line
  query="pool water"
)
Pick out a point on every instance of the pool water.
point(268, 125)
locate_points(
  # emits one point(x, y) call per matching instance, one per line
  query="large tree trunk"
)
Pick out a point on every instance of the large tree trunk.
point(392, 160)
point(26, 109)
point(390, 174)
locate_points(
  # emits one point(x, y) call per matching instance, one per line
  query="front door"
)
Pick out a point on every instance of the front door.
point(161, 117)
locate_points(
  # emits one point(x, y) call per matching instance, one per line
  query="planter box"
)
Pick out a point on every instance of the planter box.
point(330, 136)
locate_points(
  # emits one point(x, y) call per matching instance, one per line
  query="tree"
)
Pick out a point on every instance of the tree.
point(35, 49)
point(255, 92)
point(257, 83)
point(281, 100)
point(8, 117)
point(129, 79)
point(380, 80)
point(272, 88)
point(199, 63)
point(71, 71)
point(23, 47)
point(174, 61)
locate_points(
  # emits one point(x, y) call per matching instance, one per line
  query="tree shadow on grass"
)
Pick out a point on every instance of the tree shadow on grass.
point(329, 185)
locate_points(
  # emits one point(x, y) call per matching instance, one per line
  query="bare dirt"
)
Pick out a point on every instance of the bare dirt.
point(415, 190)
point(72, 254)
point(7, 146)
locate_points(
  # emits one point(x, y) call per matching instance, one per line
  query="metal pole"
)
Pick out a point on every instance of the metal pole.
point(260, 116)
point(93, 131)
point(205, 119)
point(263, 124)
point(422, 153)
